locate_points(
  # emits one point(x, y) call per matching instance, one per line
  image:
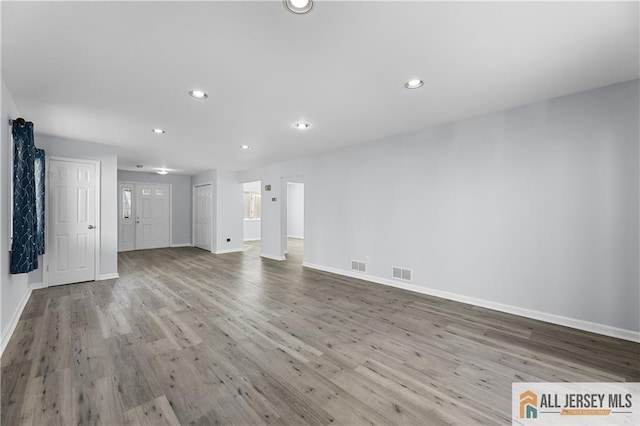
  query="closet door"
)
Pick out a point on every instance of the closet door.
point(202, 202)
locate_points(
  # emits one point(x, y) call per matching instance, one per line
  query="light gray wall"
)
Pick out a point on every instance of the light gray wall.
point(272, 211)
point(535, 207)
point(204, 177)
point(252, 229)
point(181, 200)
point(13, 288)
point(229, 211)
point(108, 157)
point(251, 186)
point(295, 210)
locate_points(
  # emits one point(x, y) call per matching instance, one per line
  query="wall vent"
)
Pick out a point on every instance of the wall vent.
point(358, 266)
point(401, 274)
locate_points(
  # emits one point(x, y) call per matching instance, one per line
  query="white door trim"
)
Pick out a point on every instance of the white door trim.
point(132, 187)
point(98, 229)
point(193, 214)
point(284, 192)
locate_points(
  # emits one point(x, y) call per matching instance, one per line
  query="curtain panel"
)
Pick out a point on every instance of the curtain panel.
point(28, 220)
point(39, 171)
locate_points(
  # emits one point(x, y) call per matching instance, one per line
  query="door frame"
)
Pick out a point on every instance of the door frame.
point(133, 211)
point(284, 192)
point(244, 219)
point(193, 214)
point(98, 220)
point(135, 207)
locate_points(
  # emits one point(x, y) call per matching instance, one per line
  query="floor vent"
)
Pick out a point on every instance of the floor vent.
point(401, 274)
point(358, 266)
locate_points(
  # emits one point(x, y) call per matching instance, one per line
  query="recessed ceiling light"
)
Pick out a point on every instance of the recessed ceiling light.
point(245, 147)
point(158, 131)
point(302, 126)
point(162, 172)
point(414, 84)
point(298, 6)
point(198, 94)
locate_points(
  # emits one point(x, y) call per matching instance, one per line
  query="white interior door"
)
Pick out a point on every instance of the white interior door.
point(152, 216)
point(202, 201)
point(126, 218)
point(71, 233)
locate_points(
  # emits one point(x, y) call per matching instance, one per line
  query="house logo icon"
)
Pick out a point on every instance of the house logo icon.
point(528, 405)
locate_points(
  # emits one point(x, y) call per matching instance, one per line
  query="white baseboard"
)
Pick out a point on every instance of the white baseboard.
point(6, 336)
point(252, 239)
point(182, 245)
point(37, 286)
point(268, 256)
point(236, 250)
point(296, 237)
point(592, 327)
point(103, 277)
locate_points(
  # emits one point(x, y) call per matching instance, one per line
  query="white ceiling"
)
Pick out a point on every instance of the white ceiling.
point(109, 72)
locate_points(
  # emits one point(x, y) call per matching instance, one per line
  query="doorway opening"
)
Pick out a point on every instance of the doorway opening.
point(252, 224)
point(294, 229)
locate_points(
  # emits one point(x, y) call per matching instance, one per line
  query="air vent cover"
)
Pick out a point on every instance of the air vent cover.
point(358, 266)
point(396, 273)
point(401, 274)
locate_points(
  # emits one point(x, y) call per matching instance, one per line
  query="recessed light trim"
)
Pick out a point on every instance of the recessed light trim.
point(162, 172)
point(302, 125)
point(298, 7)
point(158, 131)
point(414, 84)
point(198, 94)
point(245, 147)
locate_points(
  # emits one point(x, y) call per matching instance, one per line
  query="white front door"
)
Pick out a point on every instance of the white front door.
point(202, 200)
point(71, 233)
point(126, 219)
point(152, 216)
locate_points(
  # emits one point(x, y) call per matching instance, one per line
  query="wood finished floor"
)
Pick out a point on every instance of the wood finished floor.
point(188, 337)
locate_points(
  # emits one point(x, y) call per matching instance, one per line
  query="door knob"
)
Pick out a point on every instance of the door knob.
point(91, 227)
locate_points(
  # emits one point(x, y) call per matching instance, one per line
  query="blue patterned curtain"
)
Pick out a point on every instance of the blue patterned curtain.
point(39, 176)
point(24, 250)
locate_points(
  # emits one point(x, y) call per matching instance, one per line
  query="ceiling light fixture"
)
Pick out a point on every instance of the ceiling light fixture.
point(302, 126)
point(245, 147)
point(162, 172)
point(298, 7)
point(198, 94)
point(158, 131)
point(414, 84)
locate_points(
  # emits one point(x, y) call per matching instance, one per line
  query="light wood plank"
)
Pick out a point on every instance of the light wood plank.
point(188, 337)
